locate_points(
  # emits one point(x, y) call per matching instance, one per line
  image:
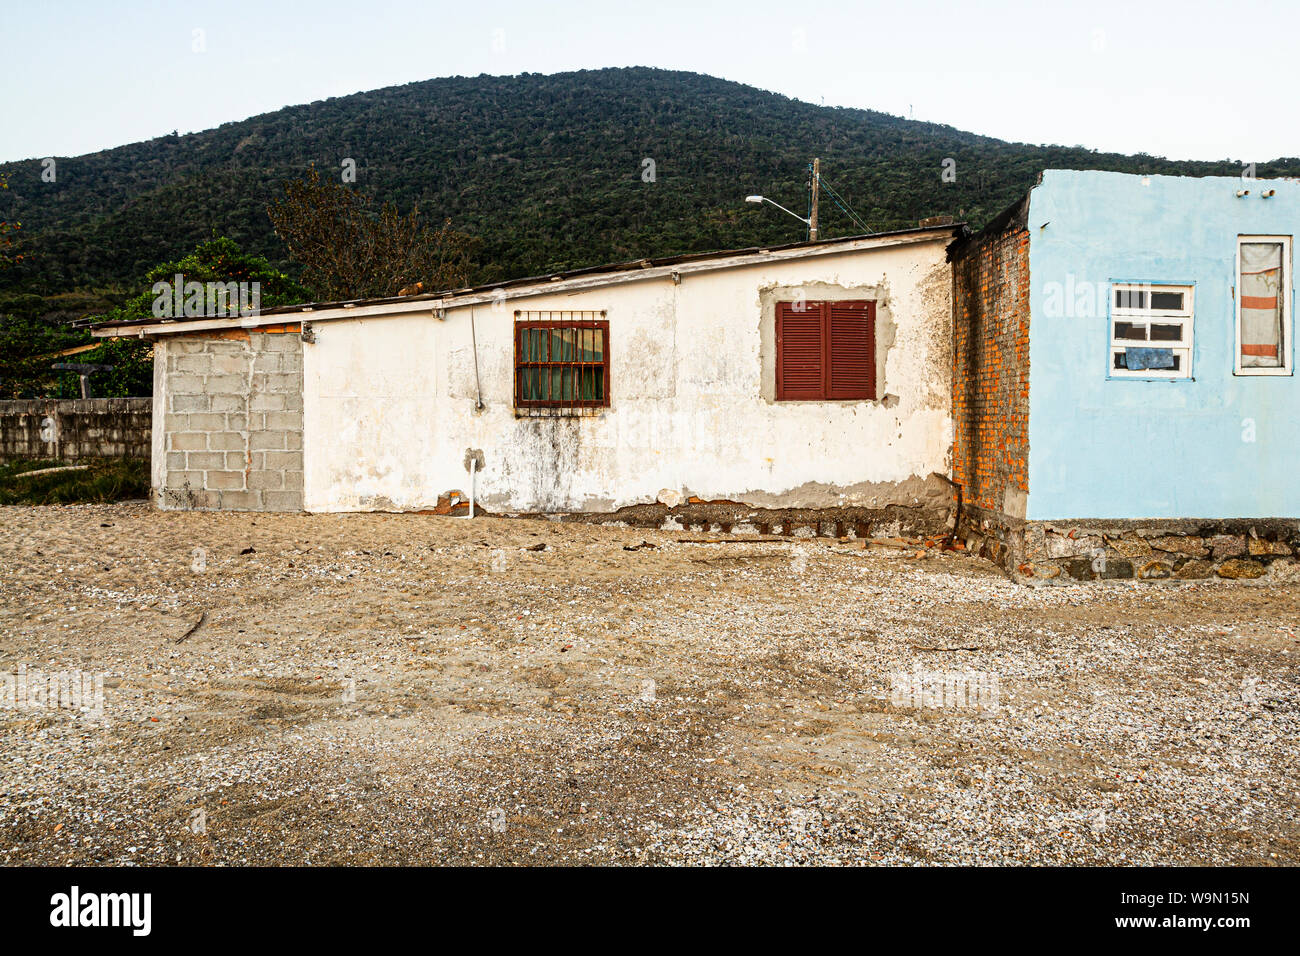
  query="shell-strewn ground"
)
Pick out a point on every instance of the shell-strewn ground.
point(414, 689)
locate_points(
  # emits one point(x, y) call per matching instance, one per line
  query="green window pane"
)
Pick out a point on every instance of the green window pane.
point(564, 345)
point(592, 384)
point(532, 345)
point(530, 385)
point(561, 364)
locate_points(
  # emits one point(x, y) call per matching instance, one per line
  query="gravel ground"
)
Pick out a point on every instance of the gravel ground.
point(413, 689)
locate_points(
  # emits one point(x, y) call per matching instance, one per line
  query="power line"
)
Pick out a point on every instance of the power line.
point(843, 204)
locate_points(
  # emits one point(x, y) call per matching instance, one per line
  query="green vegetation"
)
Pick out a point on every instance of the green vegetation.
point(546, 170)
point(7, 229)
point(30, 338)
point(101, 481)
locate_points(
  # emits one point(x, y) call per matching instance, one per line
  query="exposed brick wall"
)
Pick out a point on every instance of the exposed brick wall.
point(990, 380)
point(78, 429)
point(232, 421)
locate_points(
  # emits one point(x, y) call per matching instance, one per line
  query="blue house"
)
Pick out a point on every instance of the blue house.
point(1124, 389)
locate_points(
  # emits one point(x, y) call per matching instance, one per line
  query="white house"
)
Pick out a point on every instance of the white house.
point(801, 385)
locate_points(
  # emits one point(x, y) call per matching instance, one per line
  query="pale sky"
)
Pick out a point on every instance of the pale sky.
point(1187, 80)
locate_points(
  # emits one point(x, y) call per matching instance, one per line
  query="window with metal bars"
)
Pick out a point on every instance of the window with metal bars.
point(561, 361)
point(825, 351)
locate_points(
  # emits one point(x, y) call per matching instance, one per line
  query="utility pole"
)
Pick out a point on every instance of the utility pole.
point(812, 216)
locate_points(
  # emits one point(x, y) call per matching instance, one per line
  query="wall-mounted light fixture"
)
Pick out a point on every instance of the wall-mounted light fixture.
point(1267, 193)
point(1242, 192)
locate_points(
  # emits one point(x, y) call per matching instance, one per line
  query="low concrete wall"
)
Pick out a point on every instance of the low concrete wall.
point(73, 429)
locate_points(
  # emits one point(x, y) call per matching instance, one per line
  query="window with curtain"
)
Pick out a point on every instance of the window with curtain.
point(561, 360)
point(1263, 305)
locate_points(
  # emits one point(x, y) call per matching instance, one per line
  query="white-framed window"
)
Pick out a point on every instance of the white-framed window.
point(1151, 330)
point(1264, 308)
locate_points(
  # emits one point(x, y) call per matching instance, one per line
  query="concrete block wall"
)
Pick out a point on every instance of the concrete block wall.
point(231, 435)
point(77, 428)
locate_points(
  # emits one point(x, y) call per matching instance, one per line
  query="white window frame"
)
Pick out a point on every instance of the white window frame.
point(1288, 315)
point(1183, 347)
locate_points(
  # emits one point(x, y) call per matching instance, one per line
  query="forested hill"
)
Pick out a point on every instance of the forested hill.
point(549, 172)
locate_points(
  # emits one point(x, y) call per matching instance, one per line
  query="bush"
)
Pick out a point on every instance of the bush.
point(101, 481)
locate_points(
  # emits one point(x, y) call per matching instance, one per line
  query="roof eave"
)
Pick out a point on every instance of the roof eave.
point(571, 281)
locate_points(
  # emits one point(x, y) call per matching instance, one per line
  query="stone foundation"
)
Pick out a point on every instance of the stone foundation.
point(931, 515)
point(1068, 552)
point(992, 535)
point(727, 517)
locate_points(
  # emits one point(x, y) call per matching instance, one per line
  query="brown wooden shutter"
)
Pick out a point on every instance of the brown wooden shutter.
point(851, 350)
point(825, 350)
point(800, 351)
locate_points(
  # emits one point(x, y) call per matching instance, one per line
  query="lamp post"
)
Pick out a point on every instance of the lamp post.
point(764, 199)
point(815, 181)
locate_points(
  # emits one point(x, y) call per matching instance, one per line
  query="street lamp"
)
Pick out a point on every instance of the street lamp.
point(762, 199)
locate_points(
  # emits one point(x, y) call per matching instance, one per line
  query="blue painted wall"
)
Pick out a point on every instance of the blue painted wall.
point(1115, 448)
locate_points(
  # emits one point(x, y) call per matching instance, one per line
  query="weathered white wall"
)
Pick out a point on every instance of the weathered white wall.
point(390, 402)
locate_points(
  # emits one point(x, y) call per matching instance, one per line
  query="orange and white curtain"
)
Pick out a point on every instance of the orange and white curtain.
point(1261, 305)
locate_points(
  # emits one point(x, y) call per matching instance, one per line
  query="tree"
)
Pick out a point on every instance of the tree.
point(219, 259)
point(29, 344)
point(7, 228)
point(348, 253)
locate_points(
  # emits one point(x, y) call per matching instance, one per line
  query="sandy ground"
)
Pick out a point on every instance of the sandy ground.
point(410, 689)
